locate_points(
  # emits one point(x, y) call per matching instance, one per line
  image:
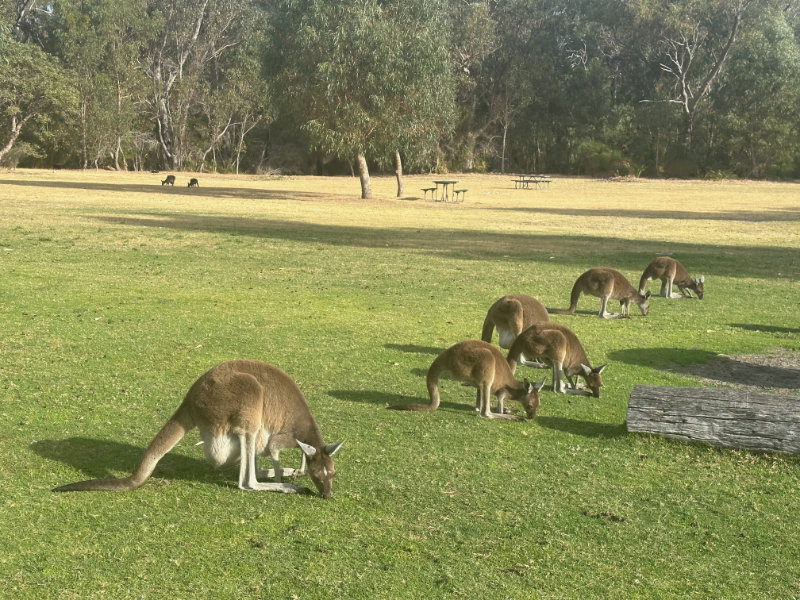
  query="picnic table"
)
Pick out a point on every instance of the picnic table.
point(448, 189)
point(525, 181)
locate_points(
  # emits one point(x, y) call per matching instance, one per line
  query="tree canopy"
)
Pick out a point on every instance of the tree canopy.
point(643, 87)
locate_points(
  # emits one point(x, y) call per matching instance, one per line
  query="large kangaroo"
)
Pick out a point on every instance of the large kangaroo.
point(511, 315)
point(558, 347)
point(243, 408)
point(671, 272)
point(606, 284)
point(480, 364)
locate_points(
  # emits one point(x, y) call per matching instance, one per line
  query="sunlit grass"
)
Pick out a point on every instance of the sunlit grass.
point(118, 293)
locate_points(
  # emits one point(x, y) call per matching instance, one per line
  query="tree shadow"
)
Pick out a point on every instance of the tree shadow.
point(582, 428)
point(766, 328)
point(95, 458)
point(737, 215)
point(389, 400)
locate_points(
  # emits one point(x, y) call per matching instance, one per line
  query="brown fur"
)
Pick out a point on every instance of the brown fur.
point(511, 315)
point(242, 408)
point(606, 284)
point(480, 364)
point(671, 272)
point(557, 347)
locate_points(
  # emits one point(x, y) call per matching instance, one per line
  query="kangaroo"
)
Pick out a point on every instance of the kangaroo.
point(193, 182)
point(480, 364)
point(558, 347)
point(512, 315)
point(606, 284)
point(670, 272)
point(170, 180)
point(243, 408)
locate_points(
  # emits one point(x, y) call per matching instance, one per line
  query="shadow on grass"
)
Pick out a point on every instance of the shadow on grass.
point(103, 458)
point(625, 254)
point(415, 349)
point(766, 328)
point(736, 215)
point(390, 400)
point(582, 428)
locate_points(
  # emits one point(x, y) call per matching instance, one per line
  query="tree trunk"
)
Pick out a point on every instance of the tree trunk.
point(398, 171)
point(363, 173)
point(16, 129)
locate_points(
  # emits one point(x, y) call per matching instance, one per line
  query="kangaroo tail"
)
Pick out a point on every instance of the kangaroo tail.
point(573, 302)
point(170, 434)
point(433, 389)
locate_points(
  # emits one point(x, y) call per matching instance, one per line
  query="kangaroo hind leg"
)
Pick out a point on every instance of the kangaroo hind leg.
point(247, 469)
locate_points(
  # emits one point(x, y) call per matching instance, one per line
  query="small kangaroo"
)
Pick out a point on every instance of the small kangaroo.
point(193, 182)
point(558, 347)
point(170, 180)
point(243, 408)
point(606, 284)
point(511, 315)
point(480, 364)
point(671, 272)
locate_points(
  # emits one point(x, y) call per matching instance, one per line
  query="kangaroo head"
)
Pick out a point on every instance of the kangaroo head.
point(643, 301)
point(530, 399)
point(697, 286)
point(593, 379)
point(320, 466)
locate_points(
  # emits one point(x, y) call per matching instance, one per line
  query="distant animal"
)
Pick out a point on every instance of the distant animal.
point(606, 284)
point(170, 180)
point(558, 347)
point(511, 315)
point(482, 365)
point(671, 272)
point(193, 182)
point(243, 409)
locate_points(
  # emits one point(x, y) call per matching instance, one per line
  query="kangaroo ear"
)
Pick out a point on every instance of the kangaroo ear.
point(586, 370)
point(332, 449)
point(647, 295)
point(702, 278)
point(307, 449)
point(540, 385)
point(527, 385)
point(600, 369)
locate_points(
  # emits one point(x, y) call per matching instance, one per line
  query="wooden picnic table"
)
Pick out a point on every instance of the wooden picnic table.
point(525, 180)
point(448, 187)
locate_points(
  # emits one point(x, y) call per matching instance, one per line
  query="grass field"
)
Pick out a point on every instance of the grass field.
point(117, 294)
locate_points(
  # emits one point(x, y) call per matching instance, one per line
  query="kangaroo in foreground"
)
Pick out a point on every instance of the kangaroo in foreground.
point(170, 180)
point(606, 284)
point(243, 408)
point(558, 347)
point(511, 315)
point(480, 364)
point(671, 272)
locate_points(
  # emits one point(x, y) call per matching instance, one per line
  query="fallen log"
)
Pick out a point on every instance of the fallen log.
point(731, 418)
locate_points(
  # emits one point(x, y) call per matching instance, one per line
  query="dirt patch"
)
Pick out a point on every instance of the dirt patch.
point(777, 371)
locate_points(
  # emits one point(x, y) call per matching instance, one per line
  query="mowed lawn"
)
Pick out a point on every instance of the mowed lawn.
point(117, 293)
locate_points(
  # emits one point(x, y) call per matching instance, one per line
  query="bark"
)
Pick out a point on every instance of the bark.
point(16, 129)
point(363, 174)
point(398, 171)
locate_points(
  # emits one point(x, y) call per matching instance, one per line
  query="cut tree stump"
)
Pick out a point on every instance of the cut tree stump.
point(730, 418)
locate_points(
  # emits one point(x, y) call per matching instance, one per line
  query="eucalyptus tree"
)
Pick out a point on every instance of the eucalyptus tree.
point(33, 88)
point(364, 78)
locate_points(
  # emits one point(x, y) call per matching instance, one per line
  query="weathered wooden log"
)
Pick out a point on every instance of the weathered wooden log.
point(731, 418)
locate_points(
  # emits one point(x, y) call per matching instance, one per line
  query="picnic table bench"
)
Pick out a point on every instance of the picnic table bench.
point(525, 181)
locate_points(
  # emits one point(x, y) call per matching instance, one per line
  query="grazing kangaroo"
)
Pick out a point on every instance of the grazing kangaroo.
point(170, 180)
point(559, 348)
point(671, 272)
point(193, 182)
point(512, 315)
point(480, 364)
point(243, 408)
point(606, 284)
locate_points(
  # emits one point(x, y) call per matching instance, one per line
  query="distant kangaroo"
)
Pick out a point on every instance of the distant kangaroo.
point(671, 272)
point(480, 364)
point(511, 315)
point(193, 182)
point(558, 347)
point(243, 408)
point(606, 284)
point(170, 180)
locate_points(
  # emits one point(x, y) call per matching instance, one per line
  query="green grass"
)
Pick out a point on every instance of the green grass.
point(117, 294)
